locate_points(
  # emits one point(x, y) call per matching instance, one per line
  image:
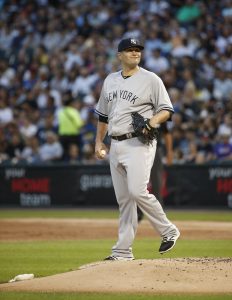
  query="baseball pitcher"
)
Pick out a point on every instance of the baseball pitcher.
point(132, 104)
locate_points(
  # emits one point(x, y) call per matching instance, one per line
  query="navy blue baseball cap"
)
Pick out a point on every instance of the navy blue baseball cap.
point(129, 43)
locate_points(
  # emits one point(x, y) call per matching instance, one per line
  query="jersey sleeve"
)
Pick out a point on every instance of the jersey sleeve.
point(102, 105)
point(103, 119)
point(161, 98)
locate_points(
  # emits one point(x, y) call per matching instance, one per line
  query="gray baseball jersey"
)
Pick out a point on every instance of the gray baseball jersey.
point(144, 92)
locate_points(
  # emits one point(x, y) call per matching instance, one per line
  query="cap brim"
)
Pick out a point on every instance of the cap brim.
point(134, 46)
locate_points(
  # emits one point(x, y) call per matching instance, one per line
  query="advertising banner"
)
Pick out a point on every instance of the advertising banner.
point(46, 186)
point(91, 185)
point(198, 186)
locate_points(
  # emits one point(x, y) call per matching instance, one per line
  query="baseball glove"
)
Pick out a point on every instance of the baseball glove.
point(139, 123)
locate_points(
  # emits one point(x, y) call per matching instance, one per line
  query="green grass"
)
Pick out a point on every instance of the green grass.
point(45, 257)
point(94, 296)
point(60, 213)
point(200, 215)
point(112, 213)
point(88, 296)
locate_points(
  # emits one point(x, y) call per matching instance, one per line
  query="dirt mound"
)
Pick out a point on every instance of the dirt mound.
point(181, 275)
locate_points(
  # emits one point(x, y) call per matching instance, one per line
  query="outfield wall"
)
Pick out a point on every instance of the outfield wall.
point(91, 185)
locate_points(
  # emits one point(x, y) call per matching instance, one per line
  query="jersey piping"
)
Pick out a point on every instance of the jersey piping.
point(100, 114)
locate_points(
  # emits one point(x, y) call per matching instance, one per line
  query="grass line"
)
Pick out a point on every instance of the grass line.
point(104, 296)
point(112, 213)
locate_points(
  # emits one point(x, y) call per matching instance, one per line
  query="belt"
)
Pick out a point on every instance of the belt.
point(124, 136)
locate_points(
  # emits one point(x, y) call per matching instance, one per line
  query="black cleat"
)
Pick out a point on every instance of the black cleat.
point(168, 242)
point(112, 257)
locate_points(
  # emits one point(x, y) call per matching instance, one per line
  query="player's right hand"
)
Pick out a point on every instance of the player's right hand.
point(100, 150)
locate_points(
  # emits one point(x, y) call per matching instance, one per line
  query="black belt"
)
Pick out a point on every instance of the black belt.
point(124, 136)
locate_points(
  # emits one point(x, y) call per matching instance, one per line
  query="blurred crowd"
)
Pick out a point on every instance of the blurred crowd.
point(55, 54)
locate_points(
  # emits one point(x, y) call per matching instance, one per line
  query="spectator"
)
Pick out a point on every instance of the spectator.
point(222, 86)
point(3, 147)
point(51, 150)
point(15, 147)
point(31, 151)
point(70, 124)
point(83, 84)
point(89, 129)
point(6, 113)
point(205, 152)
point(27, 128)
point(46, 124)
point(157, 63)
point(225, 128)
point(73, 57)
point(188, 12)
point(73, 154)
point(223, 149)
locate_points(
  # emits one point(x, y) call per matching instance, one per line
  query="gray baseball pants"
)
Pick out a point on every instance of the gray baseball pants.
point(130, 164)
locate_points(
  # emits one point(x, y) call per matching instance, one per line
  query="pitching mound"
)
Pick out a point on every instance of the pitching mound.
point(181, 275)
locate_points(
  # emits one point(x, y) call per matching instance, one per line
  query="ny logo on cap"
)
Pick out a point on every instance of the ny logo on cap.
point(133, 41)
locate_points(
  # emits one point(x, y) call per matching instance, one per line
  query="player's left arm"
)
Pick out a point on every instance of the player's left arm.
point(160, 118)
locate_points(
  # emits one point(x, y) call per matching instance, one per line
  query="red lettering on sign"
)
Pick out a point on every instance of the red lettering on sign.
point(224, 186)
point(28, 185)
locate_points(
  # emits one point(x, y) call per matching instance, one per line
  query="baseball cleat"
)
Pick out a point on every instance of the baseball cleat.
point(168, 242)
point(112, 257)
